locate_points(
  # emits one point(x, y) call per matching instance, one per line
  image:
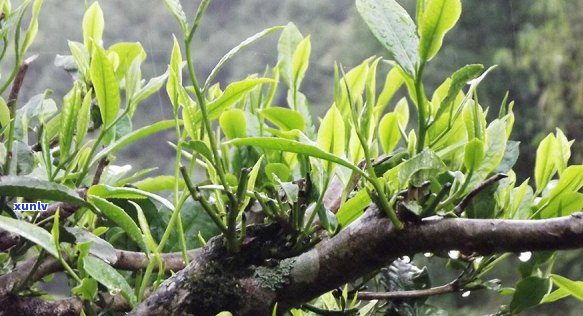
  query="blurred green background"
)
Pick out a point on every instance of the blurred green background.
point(537, 45)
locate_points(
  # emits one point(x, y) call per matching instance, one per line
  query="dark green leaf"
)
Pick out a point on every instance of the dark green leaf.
point(35, 189)
point(200, 148)
point(294, 147)
point(394, 28)
point(99, 247)
point(120, 218)
point(529, 292)
point(31, 232)
point(109, 277)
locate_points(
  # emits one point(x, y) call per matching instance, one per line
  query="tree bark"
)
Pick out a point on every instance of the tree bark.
point(215, 282)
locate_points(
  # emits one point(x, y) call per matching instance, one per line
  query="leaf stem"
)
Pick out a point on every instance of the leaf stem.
point(422, 120)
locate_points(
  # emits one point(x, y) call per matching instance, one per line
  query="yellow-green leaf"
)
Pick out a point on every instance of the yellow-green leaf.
point(106, 86)
point(69, 119)
point(438, 18)
point(473, 154)
point(93, 24)
point(233, 123)
point(545, 167)
point(331, 136)
point(574, 288)
point(300, 61)
point(389, 134)
point(284, 118)
point(83, 118)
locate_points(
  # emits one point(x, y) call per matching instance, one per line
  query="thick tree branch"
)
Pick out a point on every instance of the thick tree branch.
point(363, 247)
point(18, 305)
point(126, 260)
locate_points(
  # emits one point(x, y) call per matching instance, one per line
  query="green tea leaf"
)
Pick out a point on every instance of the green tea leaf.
point(389, 134)
point(200, 147)
point(81, 56)
point(572, 287)
point(353, 208)
point(69, 119)
point(473, 154)
point(394, 28)
point(4, 114)
point(106, 86)
point(233, 123)
point(176, 9)
point(233, 94)
point(31, 232)
point(565, 204)
point(331, 136)
point(143, 221)
point(251, 181)
point(120, 218)
point(233, 52)
point(355, 79)
point(32, 30)
point(393, 83)
point(571, 180)
point(544, 167)
point(84, 115)
point(36, 189)
point(87, 290)
point(438, 18)
point(458, 80)
point(159, 183)
point(153, 85)
point(93, 24)
point(132, 137)
point(562, 152)
point(529, 292)
point(279, 170)
point(127, 53)
point(286, 145)
point(286, 46)
point(284, 118)
point(420, 168)
point(106, 191)
point(300, 61)
point(99, 247)
point(109, 277)
point(174, 83)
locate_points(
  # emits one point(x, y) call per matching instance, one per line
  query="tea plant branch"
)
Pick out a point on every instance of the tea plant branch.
point(26, 305)
point(451, 287)
point(32, 271)
point(103, 162)
point(483, 185)
point(361, 248)
point(12, 98)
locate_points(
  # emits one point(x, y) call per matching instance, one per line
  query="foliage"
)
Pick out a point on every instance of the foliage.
point(236, 152)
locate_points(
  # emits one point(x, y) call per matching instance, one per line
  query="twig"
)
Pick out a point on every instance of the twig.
point(38, 146)
point(439, 290)
point(13, 96)
point(468, 198)
point(103, 162)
